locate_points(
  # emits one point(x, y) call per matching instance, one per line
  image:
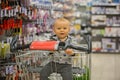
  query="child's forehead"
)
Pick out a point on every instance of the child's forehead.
point(61, 24)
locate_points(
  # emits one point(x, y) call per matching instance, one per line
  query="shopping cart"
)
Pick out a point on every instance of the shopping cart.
point(38, 57)
point(80, 62)
point(34, 61)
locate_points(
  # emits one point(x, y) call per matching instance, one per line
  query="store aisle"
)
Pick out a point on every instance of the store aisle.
point(105, 67)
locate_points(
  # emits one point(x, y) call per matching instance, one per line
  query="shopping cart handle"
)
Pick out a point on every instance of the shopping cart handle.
point(78, 48)
point(20, 47)
point(49, 46)
point(63, 45)
point(53, 45)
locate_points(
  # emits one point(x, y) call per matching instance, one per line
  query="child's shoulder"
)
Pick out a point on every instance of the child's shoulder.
point(71, 37)
point(53, 37)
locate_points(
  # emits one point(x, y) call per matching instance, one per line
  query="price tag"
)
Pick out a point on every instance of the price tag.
point(16, 9)
point(20, 10)
point(29, 14)
point(25, 11)
point(28, 61)
point(11, 12)
point(34, 59)
point(30, 38)
point(11, 69)
point(2, 11)
point(2, 44)
point(7, 70)
point(14, 12)
point(8, 40)
point(5, 12)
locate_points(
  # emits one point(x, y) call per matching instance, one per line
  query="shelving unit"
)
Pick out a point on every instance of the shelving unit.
point(105, 24)
point(36, 18)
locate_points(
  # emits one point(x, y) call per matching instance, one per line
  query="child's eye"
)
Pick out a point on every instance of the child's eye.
point(65, 28)
point(58, 28)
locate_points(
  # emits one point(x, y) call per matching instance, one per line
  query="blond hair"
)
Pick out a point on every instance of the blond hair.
point(61, 22)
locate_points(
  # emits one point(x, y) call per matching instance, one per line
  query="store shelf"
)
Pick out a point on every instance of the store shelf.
point(107, 14)
point(105, 4)
point(97, 52)
point(101, 36)
point(105, 24)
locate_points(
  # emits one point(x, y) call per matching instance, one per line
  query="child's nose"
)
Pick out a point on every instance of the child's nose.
point(62, 29)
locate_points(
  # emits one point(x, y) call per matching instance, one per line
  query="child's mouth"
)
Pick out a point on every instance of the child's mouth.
point(62, 33)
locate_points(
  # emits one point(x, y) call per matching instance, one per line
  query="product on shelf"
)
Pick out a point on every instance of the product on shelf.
point(109, 45)
point(98, 32)
point(96, 46)
point(109, 31)
point(97, 20)
point(5, 49)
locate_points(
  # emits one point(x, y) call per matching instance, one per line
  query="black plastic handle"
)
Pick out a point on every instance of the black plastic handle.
point(20, 47)
point(78, 48)
point(63, 45)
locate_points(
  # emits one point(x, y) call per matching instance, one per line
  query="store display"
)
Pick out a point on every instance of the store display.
point(22, 22)
point(105, 25)
point(109, 45)
point(25, 22)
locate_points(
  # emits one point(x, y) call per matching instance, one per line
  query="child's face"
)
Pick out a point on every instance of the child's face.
point(61, 31)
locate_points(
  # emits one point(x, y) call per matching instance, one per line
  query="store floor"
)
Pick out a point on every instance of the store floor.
point(105, 67)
